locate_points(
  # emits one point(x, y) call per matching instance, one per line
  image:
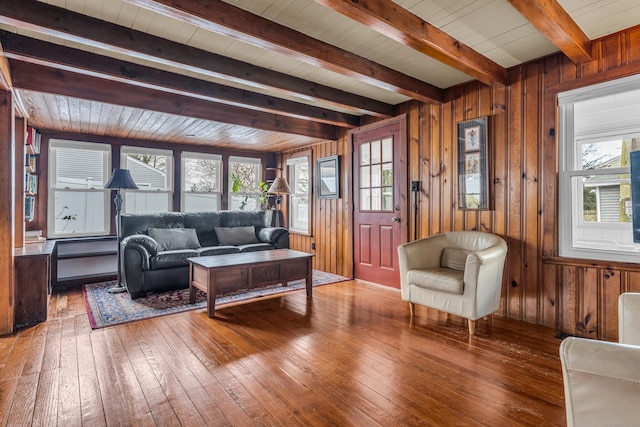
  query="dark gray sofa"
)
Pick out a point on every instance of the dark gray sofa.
point(159, 264)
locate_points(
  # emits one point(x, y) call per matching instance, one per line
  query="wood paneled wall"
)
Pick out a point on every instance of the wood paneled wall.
point(575, 296)
point(331, 218)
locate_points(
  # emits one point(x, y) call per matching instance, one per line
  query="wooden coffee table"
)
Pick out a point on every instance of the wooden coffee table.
point(222, 274)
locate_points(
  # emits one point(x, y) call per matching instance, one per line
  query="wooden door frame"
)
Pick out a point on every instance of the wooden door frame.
point(403, 171)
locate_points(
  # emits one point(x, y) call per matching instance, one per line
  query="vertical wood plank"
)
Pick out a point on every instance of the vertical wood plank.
point(20, 138)
point(7, 227)
point(515, 201)
point(530, 197)
point(567, 280)
point(611, 289)
point(588, 285)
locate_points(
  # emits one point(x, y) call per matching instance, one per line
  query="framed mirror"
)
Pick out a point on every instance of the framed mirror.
point(328, 177)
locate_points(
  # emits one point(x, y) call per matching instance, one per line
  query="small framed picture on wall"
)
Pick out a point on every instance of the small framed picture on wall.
point(473, 170)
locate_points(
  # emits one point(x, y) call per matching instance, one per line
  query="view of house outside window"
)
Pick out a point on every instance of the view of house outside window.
point(152, 171)
point(78, 203)
point(244, 183)
point(201, 182)
point(299, 209)
point(598, 134)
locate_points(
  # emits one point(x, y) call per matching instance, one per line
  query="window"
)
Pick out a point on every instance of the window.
point(600, 127)
point(201, 182)
point(299, 209)
point(244, 183)
point(152, 170)
point(78, 203)
point(376, 175)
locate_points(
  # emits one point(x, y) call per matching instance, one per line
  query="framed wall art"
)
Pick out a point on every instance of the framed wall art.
point(473, 170)
point(328, 177)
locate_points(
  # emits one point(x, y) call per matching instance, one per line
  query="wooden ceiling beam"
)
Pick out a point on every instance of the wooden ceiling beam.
point(549, 17)
point(397, 23)
point(231, 21)
point(40, 78)
point(40, 52)
point(67, 25)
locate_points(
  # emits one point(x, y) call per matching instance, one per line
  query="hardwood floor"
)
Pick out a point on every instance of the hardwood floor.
point(349, 356)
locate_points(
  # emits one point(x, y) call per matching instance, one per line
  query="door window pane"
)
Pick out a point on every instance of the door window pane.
point(365, 154)
point(365, 199)
point(387, 150)
point(375, 152)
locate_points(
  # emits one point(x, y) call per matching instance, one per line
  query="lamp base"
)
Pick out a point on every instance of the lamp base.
point(117, 289)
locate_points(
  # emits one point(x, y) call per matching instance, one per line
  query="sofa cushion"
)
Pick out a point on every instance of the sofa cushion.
point(437, 279)
point(171, 259)
point(218, 250)
point(170, 239)
point(454, 258)
point(236, 235)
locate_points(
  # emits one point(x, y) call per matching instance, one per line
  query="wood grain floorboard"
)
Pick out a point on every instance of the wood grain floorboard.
point(350, 356)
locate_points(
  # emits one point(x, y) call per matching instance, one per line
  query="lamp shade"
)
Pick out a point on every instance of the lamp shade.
point(121, 178)
point(279, 186)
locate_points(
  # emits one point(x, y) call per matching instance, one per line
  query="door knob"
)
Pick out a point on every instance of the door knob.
point(395, 219)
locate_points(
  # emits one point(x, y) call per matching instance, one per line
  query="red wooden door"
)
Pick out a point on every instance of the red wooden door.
point(379, 208)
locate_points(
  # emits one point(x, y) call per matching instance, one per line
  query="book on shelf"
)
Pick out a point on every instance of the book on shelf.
point(29, 208)
point(33, 140)
point(31, 163)
point(31, 183)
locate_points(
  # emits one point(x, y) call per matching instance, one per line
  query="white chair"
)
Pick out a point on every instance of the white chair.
point(602, 379)
point(459, 272)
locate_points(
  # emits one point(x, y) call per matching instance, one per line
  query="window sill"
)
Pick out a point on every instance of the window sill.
point(591, 263)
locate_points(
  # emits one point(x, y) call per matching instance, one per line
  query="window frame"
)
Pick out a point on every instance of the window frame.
point(53, 188)
point(125, 150)
point(570, 191)
point(185, 155)
point(291, 164)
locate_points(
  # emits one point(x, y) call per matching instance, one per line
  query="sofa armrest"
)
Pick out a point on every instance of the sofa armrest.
point(601, 382)
point(629, 318)
point(146, 245)
point(277, 236)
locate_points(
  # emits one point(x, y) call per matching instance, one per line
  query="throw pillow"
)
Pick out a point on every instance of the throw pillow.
point(170, 239)
point(236, 235)
point(453, 258)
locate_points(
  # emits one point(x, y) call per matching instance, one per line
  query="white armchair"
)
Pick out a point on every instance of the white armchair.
point(459, 272)
point(602, 379)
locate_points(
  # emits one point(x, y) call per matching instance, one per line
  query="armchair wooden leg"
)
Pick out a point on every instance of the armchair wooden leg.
point(412, 309)
point(472, 327)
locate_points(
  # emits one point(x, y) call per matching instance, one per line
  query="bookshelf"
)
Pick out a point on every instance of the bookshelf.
point(31, 172)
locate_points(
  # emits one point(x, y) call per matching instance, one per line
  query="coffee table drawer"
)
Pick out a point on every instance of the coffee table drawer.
point(231, 279)
point(295, 269)
point(268, 273)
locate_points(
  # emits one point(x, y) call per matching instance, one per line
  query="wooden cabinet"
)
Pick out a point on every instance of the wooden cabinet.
point(33, 282)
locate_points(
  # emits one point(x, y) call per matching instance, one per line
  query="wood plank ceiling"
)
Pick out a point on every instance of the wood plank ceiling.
point(272, 75)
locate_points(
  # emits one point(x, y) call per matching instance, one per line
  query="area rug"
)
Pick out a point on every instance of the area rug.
point(105, 309)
